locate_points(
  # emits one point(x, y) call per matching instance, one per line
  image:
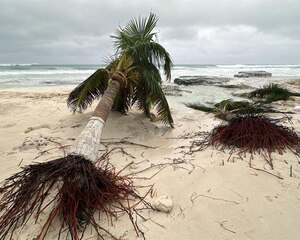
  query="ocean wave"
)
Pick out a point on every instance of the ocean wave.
point(45, 72)
point(17, 64)
point(260, 66)
point(43, 75)
point(9, 81)
point(54, 83)
point(193, 66)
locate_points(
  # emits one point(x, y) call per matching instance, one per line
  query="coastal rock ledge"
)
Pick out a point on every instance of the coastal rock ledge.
point(246, 74)
point(171, 89)
point(200, 80)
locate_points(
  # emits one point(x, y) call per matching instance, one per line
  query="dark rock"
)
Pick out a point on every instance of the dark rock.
point(172, 90)
point(200, 80)
point(233, 86)
point(246, 74)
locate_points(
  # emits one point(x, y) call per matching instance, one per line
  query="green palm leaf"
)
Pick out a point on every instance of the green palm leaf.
point(153, 53)
point(85, 93)
point(142, 99)
point(136, 41)
point(149, 92)
point(123, 100)
point(162, 107)
point(137, 30)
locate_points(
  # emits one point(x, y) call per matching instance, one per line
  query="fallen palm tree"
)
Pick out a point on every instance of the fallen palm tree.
point(272, 92)
point(250, 133)
point(72, 189)
point(77, 187)
point(228, 108)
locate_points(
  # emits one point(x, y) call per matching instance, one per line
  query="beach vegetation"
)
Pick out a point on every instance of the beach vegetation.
point(227, 108)
point(272, 92)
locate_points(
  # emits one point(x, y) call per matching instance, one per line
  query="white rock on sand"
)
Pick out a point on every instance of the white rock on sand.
point(163, 203)
point(296, 109)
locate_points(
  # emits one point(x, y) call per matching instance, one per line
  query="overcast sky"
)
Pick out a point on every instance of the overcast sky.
point(193, 31)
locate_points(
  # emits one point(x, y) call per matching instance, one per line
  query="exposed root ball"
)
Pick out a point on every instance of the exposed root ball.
point(78, 190)
point(252, 134)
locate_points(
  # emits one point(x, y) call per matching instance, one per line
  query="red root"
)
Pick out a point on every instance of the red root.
point(251, 134)
point(80, 189)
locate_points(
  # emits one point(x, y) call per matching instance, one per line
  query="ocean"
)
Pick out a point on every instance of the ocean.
point(35, 75)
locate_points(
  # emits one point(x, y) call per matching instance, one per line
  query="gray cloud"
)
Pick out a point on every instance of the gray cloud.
point(193, 31)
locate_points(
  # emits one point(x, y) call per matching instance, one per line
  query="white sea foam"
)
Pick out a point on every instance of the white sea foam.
point(259, 66)
point(14, 75)
point(17, 64)
point(44, 72)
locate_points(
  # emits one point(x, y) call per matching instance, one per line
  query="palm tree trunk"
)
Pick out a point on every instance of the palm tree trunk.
point(87, 143)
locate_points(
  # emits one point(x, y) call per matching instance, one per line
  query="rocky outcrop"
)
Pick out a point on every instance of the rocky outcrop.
point(170, 89)
point(200, 80)
point(233, 86)
point(246, 74)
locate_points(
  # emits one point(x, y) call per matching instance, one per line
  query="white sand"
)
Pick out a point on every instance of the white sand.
point(212, 201)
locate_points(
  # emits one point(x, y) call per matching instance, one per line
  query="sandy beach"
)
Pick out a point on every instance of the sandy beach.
point(213, 197)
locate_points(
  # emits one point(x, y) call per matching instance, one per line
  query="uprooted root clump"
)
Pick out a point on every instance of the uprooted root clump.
point(250, 134)
point(80, 189)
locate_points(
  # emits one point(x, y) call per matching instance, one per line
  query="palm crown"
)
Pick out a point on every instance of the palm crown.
point(139, 57)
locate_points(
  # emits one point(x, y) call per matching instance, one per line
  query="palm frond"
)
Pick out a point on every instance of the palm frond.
point(123, 100)
point(143, 101)
point(199, 106)
point(112, 64)
point(149, 92)
point(272, 92)
point(153, 53)
point(162, 107)
point(234, 107)
point(231, 105)
point(85, 93)
point(141, 29)
point(149, 75)
point(137, 30)
point(136, 40)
